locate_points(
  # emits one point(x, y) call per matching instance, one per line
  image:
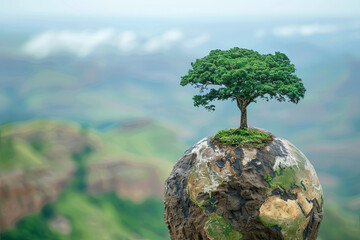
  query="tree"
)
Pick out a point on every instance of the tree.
point(243, 75)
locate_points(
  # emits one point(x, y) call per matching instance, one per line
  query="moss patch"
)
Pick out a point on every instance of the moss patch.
point(285, 179)
point(242, 137)
point(217, 228)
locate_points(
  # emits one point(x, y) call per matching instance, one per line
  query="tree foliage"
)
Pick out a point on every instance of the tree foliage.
point(243, 75)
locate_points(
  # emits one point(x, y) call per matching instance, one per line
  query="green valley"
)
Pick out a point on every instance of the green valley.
point(68, 181)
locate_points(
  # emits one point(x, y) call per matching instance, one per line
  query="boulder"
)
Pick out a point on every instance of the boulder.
point(243, 192)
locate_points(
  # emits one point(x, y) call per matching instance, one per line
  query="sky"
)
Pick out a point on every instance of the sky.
point(82, 27)
point(12, 9)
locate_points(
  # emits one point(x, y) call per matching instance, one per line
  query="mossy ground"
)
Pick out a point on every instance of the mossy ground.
point(242, 137)
point(219, 229)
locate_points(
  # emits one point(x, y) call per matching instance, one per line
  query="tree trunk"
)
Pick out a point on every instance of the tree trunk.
point(242, 106)
point(243, 122)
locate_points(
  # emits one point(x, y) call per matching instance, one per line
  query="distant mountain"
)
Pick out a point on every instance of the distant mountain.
point(63, 172)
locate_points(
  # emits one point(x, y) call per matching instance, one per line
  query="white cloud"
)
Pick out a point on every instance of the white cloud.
point(172, 36)
point(304, 30)
point(80, 44)
point(299, 30)
point(197, 41)
point(164, 41)
point(128, 41)
point(83, 43)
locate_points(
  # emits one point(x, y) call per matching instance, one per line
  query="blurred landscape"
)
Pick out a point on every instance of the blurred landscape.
point(93, 118)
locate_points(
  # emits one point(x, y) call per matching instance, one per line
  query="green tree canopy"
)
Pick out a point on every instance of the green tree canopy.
point(243, 75)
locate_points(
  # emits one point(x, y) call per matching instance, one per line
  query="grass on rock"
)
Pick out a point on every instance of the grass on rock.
point(242, 137)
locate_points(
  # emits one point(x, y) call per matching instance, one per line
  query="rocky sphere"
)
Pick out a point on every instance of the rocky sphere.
point(243, 193)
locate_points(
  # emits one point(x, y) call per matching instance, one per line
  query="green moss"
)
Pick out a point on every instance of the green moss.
point(284, 178)
point(200, 204)
point(242, 137)
point(268, 178)
point(219, 229)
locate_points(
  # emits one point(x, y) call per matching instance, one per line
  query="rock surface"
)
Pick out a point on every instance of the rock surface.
point(23, 192)
point(243, 193)
point(136, 181)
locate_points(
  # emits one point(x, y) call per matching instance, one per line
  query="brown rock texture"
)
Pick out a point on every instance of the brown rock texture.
point(243, 193)
point(23, 192)
point(134, 180)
